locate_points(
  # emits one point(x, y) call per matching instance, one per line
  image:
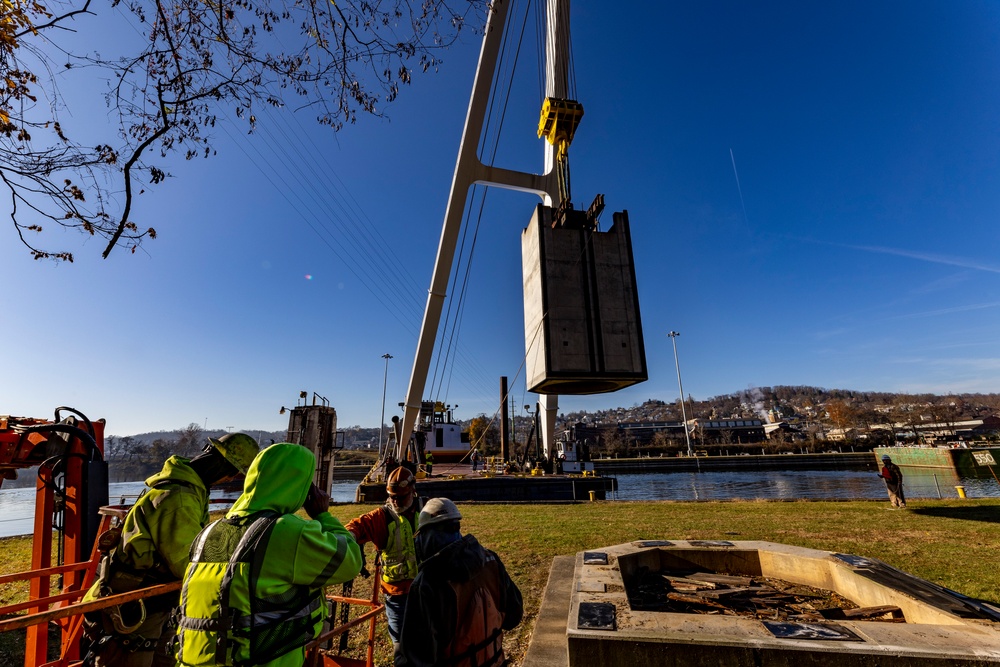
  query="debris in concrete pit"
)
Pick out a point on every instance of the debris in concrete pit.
point(689, 592)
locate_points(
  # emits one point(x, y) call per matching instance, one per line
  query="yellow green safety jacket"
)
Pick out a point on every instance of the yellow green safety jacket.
point(157, 533)
point(399, 558)
point(253, 593)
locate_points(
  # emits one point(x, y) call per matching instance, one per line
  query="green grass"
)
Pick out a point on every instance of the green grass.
point(949, 542)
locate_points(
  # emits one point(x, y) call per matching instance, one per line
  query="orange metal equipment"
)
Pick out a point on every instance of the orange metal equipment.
point(72, 485)
point(316, 657)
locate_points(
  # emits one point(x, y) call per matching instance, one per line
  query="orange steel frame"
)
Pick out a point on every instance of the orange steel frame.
point(19, 450)
point(317, 658)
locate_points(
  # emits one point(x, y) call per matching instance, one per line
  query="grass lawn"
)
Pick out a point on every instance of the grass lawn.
point(950, 542)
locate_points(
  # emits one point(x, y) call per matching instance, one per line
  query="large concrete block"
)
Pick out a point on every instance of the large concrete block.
point(582, 329)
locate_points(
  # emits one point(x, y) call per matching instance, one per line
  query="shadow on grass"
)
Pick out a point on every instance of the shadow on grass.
point(988, 514)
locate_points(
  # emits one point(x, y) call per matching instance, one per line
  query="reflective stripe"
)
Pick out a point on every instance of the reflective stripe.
point(335, 562)
point(269, 617)
point(259, 619)
point(206, 624)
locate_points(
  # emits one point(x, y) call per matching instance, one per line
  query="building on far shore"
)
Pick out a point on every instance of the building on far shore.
point(728, 431)
point(943, 432)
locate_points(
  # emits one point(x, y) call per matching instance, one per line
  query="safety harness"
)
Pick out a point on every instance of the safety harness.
point(222, 620)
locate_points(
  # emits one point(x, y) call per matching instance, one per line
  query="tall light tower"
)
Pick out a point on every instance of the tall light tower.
point(381, 421)
point(687, 436)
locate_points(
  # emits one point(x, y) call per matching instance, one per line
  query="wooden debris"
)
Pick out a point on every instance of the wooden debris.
point(863, 613)
point(756, 597)
point(727, 579)
point(688, 584)
point(694, 599)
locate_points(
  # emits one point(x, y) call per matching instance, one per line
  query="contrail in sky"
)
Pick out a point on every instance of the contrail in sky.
point(738, 188)
point(946, 311)
point(960, 262)
point(926, 257)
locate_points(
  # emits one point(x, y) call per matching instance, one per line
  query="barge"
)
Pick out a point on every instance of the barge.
point(975, 462)
point(500, 488)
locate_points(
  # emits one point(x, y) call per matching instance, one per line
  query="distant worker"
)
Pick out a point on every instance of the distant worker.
point(429, 463)
point(462, 600)
point(893, 478)
point(253, 593)
point(152, 549)
point(390, 528)
point(388, 465)
point(474, 457)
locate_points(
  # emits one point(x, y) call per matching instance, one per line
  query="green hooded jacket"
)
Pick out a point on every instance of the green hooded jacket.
point(299, 554)
point(158, 529)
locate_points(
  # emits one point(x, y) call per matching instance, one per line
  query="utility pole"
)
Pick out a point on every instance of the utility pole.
point(381, 421)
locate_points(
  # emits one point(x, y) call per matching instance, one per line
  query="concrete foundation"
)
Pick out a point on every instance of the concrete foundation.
point(587, 621)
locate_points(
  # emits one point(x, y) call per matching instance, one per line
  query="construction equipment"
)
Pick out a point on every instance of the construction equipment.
point(71, 487)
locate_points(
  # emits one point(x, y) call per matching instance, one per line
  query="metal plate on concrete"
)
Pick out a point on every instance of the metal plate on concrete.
point(856, 561)
point(596, 616)
point(710, 543)
point(595, 558)
point(653, 543)
point(821, 631)
point(591, 587)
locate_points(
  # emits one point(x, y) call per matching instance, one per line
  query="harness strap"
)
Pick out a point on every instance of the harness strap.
point(259, 530)
point(476, 648)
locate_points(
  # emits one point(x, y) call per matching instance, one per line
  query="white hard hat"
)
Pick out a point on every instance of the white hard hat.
point(438, 510)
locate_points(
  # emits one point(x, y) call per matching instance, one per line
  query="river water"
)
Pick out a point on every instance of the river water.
point(17, 505)
point(795, 485)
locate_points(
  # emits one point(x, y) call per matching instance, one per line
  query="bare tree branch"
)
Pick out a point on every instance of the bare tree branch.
point(198, 60)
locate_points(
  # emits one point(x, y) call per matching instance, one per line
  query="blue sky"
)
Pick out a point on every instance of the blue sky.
point(813, 191)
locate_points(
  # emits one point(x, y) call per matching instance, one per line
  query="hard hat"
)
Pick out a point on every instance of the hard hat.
point(885, 457)
point(437, 510)
point(237, 448)
point(401, 480)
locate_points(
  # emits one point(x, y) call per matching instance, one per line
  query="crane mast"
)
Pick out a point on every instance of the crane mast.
point(583, 333)
point(469, 170)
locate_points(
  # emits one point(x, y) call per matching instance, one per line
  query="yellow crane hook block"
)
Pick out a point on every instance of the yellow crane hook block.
point(559, 121)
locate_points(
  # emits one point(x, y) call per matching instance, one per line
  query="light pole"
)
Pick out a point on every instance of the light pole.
point(687, 436)
point(532, 428)
point(381, 421)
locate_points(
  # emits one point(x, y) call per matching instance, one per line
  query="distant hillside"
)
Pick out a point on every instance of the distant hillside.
point(815, 409)
point(259, 435)
point(789, 401)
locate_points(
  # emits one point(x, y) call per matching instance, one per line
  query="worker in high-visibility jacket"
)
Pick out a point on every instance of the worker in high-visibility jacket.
point(253, 593)
point(390, 528)
point(151, 547)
